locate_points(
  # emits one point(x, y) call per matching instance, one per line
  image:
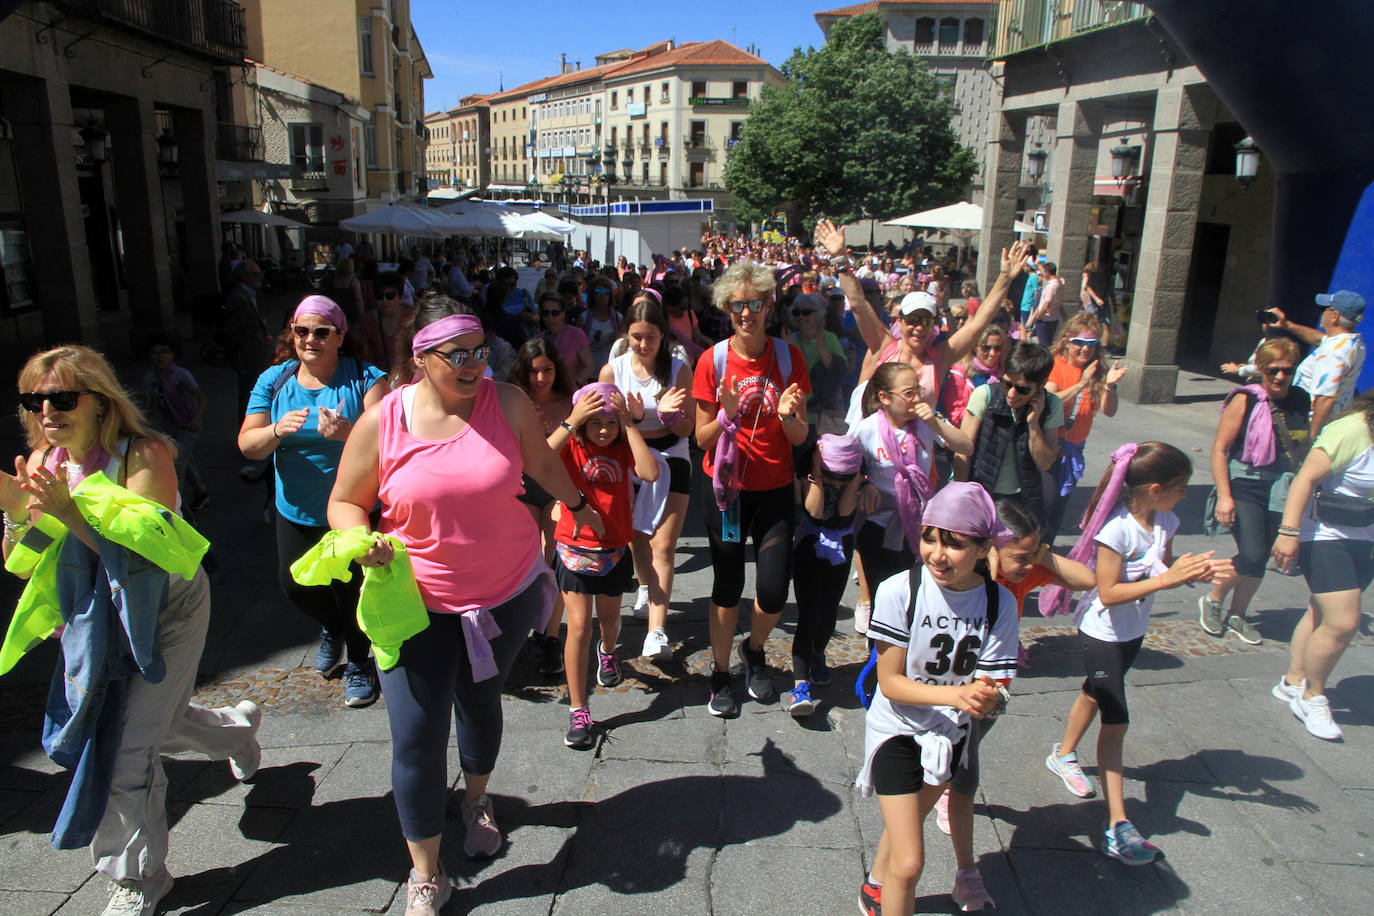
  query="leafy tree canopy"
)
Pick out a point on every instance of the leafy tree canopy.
point(857, 130)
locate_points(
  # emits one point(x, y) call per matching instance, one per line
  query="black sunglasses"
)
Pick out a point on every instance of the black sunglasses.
point(800, 313)
point(550, 313)
point(32, 401)
point(1020, 389)
point(920, 320)
point(320, 333)
point(989, 348)
point(389, 294)
point(1267, 371)
point(456, 358)
point(753, 305)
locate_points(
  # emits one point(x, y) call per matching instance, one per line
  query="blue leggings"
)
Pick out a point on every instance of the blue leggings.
point(432, 676)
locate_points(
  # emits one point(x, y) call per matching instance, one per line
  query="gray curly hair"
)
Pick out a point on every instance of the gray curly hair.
point(737, 275)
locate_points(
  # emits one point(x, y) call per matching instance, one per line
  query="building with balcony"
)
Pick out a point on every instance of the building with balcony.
point(441, 155)
point(1138, 179)
point(109, 129)
point(509, 170)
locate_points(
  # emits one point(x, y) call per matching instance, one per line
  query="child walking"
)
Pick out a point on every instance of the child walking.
point(945, 635)
point(600, 447)
point(820, 563)
point(1127, 540)
point(176, 405)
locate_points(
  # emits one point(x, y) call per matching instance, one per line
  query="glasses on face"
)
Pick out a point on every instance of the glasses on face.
point(601, 291)
point(32, 401)
point(550, 313)
point(456, 358)
point(907, 394)
point(1272, 371)
point(989, 348)
point(739, 305)
point(1022, 390)
point(803, 313)
point(1088, 342)
point(321, 333)
point(390, 294)
point(919, 320)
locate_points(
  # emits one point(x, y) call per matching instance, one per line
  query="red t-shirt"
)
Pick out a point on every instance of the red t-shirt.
point(603, 474)
point(1039, 575)
point(1065, 375)
point(765, 455)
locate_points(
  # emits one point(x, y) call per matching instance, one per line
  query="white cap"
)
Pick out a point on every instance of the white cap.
point(918, 302)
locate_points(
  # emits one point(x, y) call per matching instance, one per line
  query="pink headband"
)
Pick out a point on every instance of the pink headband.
point(605, 389)
point(446, 328)
point(966, 508)
point(652, 293)
point(325, 308)
point(840, 454)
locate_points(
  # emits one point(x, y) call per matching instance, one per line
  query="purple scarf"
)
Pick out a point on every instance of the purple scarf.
point(1055, 598)
point(178, 405)
point(992, 371)
point(1259, 432)
point(725, 480)
point(97, 459)
point(911, 484)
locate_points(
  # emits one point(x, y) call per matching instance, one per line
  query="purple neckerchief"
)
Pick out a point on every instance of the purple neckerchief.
point(725, 481)
point(992, 371)
point(911, 484)
point(1055, 598)
point(97, 459)
point(1259, 432)
point(480, 628)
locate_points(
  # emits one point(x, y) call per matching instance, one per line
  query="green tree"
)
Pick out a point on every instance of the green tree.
point(857, 130)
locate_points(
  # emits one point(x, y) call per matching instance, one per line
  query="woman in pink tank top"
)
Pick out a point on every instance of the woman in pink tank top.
point(444, 456)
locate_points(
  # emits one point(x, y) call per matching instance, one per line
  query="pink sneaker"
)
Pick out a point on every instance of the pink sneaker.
point(942, 813)
point(969, 893)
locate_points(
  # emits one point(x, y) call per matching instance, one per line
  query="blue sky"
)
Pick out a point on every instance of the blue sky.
point(473, 44)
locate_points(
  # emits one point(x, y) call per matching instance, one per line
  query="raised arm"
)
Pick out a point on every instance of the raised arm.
point(875, 334)
point(961, 342)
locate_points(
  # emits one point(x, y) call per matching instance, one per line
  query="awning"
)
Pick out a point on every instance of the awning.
point(250, 171)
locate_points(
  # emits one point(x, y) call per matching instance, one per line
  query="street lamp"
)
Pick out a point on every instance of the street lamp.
point(1124, 159)
point(608, 178)
point(95, 138)
point(167, 153)
point(1247, 161)
point(1035, 163)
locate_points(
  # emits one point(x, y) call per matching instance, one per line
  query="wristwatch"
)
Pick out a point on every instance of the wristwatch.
point(568, 426)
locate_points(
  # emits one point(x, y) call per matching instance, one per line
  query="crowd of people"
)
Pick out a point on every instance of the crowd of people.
point(513, 461)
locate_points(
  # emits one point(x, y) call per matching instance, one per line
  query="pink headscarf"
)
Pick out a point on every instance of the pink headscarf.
point(605, 389)
point(840, 454)
point(325, 308)
point(964, 507)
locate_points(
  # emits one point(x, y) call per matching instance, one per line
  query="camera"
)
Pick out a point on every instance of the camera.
point(1266, 316)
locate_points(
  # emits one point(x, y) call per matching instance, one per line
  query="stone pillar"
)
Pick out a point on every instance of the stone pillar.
point(138, 189)
point(1074, 166)
point(40, 112)
point(1182, 122)
point(194, 132)
point(1006, 158)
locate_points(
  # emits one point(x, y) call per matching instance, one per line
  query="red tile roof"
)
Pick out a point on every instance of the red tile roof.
point(872, 6)
point(692, 52)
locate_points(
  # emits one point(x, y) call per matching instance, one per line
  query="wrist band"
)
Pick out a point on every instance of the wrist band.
point(1289, 531)
point(274, 430)
point(568, 426)
point(668, 418)
point(725, 423)
point(1163, 586)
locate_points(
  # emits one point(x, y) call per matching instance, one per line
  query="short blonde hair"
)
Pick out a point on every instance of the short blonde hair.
point(79, 368)
point(1275, 348)
point(739, 274)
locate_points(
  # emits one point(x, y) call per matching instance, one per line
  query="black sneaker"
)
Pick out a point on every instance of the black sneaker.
point(550, 655)
point(580, 735)
point(757, 678)
point(722, 702)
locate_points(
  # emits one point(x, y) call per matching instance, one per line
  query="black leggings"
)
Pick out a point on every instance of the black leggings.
point(765, 516)
point(879, 562)
point(334, 606)
point(1254, 529)
point(1106, 664)
point(818, 586)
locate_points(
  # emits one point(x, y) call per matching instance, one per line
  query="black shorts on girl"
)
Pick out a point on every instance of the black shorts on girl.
point(1337, 566)
point(897, 769)
point(614, 581)
point(1106, 664)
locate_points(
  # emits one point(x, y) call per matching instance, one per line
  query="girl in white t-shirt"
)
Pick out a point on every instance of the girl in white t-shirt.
point(941, 653)
point(1128, 541)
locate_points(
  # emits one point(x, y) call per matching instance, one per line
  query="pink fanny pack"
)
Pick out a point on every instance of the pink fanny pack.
point(588, 561)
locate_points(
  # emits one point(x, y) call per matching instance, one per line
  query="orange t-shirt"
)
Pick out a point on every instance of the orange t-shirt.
point(1039, 575)
point(765, 455)
point(1066, 375)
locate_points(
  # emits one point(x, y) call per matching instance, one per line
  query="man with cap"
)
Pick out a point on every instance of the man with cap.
point(1330, 372)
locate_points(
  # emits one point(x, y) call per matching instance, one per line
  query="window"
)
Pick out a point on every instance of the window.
point(973, 34)
point(698, 175)
point(646, 173)
point(646, 135)
point(613, 130)
point(615, 103)
point(646, 95)
point(663, 174)
point(663, 93)
point(629, 96)
point(698, 133)
point(698, 89)
point(925, 32)
point(739, 90)
point(307, 148)
point(365, 44)
point(370, 141)
point(949, 33)
point(524, 116)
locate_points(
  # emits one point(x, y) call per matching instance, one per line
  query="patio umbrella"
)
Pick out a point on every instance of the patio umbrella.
point(473, 217)
point(397, 219)
point(259, 218)
point(960, 217)
point(550, 222)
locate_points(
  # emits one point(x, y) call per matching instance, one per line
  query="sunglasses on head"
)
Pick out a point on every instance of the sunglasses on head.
point(1008, 384)
point(1083, 341)
point(32, 401)
point(1271, 371)
point(738, 306)
point(320, 333)
point(919, 320)
point(456, 358)
point(801, 313)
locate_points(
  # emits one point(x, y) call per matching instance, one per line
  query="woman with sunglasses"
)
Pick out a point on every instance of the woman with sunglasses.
point(385, 330)
point(78, 420)
point(444, 456)
point(601, 321)
point(1085, 388)
point(825, 365)
point(1262, 436)
point(300, 413)
point(571, 341)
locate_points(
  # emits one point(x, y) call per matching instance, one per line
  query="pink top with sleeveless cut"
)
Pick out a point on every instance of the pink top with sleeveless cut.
point(453, 504)
point(930, 391)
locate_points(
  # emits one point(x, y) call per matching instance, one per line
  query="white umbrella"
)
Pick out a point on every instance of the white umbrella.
point(550, 222)
point(397, 219)
point(960, 217)
point(471, 217)
point(259, 218)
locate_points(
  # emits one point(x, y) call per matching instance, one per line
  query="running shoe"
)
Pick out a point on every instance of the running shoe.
point(1284, 692)
point(820, 671)
point(757, 678)
point(870, 899)
point(641, 610)
point(550, 654)
point(427, 896)
point(1122, 841)
point(942, 818)
point(969, 894)
point(580, 735)
point(360, 685)
point(656, 648)
point(800, 704)
point(138, 898)
point(244, 764)
point(1067, 769)
point(483, 837)
point(722, 702)
point(863, 612)
point(1211, 616)
point(329, 660)
point(607, 669)
point(1315, 713)
point(1244, 630)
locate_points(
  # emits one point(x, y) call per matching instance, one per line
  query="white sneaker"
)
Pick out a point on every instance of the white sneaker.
point(138, 898)
point(1315, 713)
point(641, 611)
point(244, 764)
point(863, 612)
point(656, 647)
point(1284, 691)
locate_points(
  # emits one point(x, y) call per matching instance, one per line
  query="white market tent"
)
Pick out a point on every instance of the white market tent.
point(960, 217)
point(398, 219)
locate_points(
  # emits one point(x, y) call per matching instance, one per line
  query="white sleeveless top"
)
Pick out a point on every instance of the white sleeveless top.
point(649, 389)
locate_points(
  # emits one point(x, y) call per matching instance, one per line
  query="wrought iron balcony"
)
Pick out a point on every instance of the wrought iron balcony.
point(310, 181)
point(238, 142)
point(1025, 24)
point(214, 28)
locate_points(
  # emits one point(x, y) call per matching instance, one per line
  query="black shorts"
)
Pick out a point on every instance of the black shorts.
point(679, 476)
point(965, 780)
point(615, 581)
point(1336, 566)
point(534, 494)
point(1106, 664)
point(897, 769)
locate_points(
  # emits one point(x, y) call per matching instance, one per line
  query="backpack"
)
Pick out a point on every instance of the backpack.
point(870, 669)
point(781, 351)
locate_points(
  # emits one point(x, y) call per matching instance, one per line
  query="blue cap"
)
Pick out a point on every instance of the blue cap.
point(1349, 304)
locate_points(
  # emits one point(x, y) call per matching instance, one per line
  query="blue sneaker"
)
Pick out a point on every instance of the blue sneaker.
point(329, 658)
point(360, 685)
point(820, 672)
point(801, 705)
point(1124, 842)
